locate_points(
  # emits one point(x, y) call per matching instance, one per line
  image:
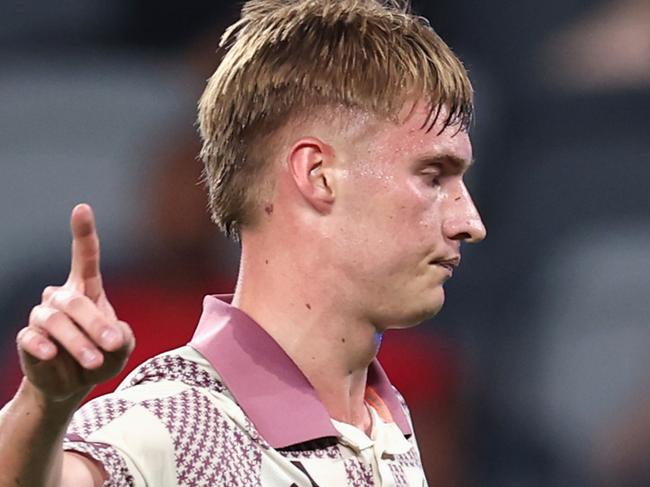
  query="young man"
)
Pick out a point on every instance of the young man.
point(335, 144)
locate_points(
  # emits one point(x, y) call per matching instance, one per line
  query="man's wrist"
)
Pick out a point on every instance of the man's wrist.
point(49, 408)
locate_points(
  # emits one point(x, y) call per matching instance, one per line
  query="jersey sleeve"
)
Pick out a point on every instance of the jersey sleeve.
point(131, 444)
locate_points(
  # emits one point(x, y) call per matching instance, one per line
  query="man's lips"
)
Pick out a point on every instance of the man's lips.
point(449, 263)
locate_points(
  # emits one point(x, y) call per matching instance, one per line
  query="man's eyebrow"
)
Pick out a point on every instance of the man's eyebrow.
point(458, 163)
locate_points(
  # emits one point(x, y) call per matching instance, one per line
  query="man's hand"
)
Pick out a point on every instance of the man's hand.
point(72, 342)
point(74, 339)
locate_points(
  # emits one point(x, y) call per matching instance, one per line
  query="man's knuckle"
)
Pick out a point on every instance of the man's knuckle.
point(53, 320)
point(47, 293)
point(38, 316)
point(61, 298)
point(33, 314)
point(75, 303)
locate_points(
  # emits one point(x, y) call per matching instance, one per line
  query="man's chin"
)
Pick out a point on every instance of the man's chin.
point(422, 311)
point(435, 302)
point(431, 311)
point(433, 305)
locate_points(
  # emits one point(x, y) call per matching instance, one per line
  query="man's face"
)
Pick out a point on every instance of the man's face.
point(402, 212)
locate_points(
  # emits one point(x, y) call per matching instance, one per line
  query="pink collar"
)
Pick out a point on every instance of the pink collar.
point(267, 384)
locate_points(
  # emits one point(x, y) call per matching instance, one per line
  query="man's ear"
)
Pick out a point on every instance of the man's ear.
point(310, 165)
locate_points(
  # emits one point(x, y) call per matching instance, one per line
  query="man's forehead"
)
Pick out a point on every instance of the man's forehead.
point(416, 133)
point(408, 133)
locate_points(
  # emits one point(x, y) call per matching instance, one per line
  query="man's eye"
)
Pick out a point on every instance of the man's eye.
point(434, 179)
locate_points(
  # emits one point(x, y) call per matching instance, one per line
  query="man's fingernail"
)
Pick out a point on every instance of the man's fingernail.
point(109, 337)
point(88, 357)
point(45, 349)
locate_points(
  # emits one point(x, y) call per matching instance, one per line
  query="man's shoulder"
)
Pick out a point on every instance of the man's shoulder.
point(183, 365)
point(178, 399)
point(180, 379)
point(176, 390)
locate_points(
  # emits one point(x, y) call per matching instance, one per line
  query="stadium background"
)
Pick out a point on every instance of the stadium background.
point(536, 372)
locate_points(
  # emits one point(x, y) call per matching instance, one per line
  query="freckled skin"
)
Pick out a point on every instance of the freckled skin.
point(391, 221)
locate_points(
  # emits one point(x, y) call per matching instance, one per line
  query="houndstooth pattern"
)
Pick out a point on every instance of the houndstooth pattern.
point(96, 414)
point(112, 461)
point(358, 474)
point(254, 435)
point(409, 459)
point(397, 469)
point(173, 368)
point(209, 449)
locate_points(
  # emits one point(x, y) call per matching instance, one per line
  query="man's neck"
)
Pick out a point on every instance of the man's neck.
point(332, 348)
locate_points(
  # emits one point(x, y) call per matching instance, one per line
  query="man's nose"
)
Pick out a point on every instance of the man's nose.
point(463, 221)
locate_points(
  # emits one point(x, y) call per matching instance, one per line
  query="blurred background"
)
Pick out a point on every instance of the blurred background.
point(536, 373)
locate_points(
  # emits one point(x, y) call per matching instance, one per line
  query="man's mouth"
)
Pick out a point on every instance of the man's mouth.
point(448, 263)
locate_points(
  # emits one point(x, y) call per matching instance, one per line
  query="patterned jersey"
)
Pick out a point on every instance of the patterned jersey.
point(174, 423)
point(232, 409)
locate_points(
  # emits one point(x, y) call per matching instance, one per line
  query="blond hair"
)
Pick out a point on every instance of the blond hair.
point(284, 56)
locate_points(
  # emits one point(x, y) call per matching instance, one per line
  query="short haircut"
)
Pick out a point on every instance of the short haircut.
point(284, 56)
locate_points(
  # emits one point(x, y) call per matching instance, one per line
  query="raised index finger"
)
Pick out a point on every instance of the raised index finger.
point(84, 267)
